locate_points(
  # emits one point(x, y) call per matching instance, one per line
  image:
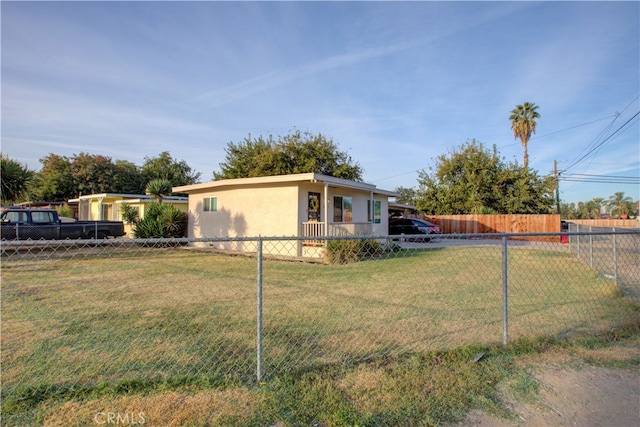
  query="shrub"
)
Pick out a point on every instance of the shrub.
point(130, 215)
point(161, 221)
point(352, 250)
point(65, 211)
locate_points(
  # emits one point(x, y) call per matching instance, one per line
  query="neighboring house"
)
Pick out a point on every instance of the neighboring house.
point(49, 205)
point(106, 206)
point(300, 205)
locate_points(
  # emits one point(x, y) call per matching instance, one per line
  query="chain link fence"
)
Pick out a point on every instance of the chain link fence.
point(83, 316)
point(614, 252)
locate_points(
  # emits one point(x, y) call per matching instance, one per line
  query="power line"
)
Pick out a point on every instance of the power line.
point(563, 130)
point(631, 103)
point(576, 162)
point(573, 127)
point(603, 176)
point(596, 181)
point(602, 179)
point(395, 176)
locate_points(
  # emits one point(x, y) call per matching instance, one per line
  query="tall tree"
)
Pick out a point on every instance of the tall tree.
point(178, 172)
point(294, 153)
point(127, 178)
point(598, 203)
point(569, 211)
point(15, 179)
point(54, 181)
point(92, 173)
point(523, 191)
point(523, 124)
point(407, 195)
point(472, 179)
point(620, 205)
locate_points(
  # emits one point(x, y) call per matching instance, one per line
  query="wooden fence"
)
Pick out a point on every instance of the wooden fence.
point(622, 223)
point(483, 224)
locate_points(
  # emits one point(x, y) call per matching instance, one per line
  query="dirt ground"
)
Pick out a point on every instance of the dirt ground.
point(584, 396)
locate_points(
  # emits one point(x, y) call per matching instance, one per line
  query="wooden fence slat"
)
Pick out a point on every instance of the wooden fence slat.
point(624, 223)
point(487, 224)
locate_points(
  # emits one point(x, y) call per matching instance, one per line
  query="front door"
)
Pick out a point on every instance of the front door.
point(313, 207)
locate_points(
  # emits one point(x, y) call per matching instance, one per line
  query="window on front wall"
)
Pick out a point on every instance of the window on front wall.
point(210, 204)
point(342, 209)
point(377, 211)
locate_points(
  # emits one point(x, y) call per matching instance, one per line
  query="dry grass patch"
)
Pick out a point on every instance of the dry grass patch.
point(211, 407)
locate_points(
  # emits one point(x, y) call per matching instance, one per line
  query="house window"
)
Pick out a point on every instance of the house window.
point(210, 204)
point(377, 211)
point(342, 209)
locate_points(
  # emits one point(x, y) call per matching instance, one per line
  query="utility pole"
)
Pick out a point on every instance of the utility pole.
point(556, 176)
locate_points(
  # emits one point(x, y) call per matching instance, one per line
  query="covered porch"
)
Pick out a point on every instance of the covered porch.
point(314, 229)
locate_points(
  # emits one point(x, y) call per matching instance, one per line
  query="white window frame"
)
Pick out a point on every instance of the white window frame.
point(210, 204)
point(349, 202)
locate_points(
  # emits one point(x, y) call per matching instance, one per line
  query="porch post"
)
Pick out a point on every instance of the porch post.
point(100, 200)
point(326, 208)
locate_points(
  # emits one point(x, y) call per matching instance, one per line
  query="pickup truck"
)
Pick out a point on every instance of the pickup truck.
point(36, 224)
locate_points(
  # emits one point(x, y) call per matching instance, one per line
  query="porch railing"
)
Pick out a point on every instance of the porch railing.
point(317, 229)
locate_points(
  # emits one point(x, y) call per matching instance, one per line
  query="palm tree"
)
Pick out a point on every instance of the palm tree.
point(14, 178)
point(592, 210)
point(598, 203)
point(619, 204)
point(523, 124)
point(158, 188)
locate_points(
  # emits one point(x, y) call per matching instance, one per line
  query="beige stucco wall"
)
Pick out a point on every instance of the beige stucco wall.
point(248, 211)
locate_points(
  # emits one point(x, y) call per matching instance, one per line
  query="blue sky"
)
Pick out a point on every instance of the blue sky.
point(393, 84)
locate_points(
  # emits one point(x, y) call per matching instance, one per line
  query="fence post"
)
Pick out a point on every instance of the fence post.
point(259, 313)
point(590, 247)
point(578, 241)
point(505, 288)
point(615, 257)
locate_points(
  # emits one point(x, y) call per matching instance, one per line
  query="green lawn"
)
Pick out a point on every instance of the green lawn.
point(80, 327)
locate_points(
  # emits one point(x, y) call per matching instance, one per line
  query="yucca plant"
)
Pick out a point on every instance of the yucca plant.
point(148, 228)
point(173, 220)
point(158, 188)
point(161, 221)
point(130, 215)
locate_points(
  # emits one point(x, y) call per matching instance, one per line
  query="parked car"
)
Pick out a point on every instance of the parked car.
point(413, 227)
point(35, 224)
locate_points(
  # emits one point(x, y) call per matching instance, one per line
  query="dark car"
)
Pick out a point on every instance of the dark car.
point(414, 227)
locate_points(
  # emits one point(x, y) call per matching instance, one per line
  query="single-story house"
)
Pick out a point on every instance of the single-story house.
point(106, 206)
point(300, 205)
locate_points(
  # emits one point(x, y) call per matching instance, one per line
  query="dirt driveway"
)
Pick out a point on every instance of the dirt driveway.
point(589, 397)
point(574, 392)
